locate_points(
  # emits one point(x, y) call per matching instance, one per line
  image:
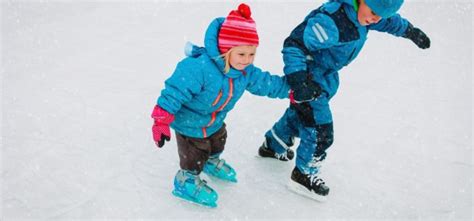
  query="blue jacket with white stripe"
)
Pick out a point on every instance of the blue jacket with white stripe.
point(200, 95)
point(330, 38)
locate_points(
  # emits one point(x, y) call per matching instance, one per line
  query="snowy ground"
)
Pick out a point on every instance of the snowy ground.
point(79, 81)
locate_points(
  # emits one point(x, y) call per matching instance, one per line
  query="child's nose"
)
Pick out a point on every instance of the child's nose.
point(246, 59)
point(376, 19)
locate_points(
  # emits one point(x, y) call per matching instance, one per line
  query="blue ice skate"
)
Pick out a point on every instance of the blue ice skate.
point(190, 187)
point(219, 168)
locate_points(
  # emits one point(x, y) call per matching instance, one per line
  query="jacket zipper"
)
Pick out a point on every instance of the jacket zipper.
point(217, 98)
point(213, 115)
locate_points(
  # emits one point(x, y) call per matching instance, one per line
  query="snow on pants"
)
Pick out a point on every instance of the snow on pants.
point(312, 123)
point(194, 152)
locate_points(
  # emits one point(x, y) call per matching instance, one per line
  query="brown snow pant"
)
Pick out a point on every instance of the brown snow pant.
point(194, 152)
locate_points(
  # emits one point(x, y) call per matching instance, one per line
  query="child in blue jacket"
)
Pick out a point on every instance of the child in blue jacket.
point(204, 87)
point(328, 39)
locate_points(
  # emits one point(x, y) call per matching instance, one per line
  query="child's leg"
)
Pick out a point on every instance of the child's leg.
point(316, 133)
point(312, 149)
point(218, 141)
point(281, 137)
point(305, 178)
point(320, 111)
point(193, 152)
point(216, 166)
point(325, 138)
point(306, 149)
point(315, 139)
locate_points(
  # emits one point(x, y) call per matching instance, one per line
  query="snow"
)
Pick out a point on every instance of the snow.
point(79, 81)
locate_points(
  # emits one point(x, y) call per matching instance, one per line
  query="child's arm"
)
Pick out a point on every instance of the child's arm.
point(395, 25)
point(265, 84)
point(180, 88)
point(398, 26)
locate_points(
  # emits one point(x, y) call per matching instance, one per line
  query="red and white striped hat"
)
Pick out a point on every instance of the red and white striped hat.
point(238, 29)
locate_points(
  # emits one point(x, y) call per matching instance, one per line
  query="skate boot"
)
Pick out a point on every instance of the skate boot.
point(265, 151)
point(190, 187)
point(309, 185)
point(219, 168)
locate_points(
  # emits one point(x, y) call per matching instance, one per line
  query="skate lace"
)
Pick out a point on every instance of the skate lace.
point(282, 156)
point(315, 180)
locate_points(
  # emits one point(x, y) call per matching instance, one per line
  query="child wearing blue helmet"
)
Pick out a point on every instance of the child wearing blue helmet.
point(328, 39)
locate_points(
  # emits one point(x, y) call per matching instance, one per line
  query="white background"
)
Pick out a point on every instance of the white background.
point(80, 79)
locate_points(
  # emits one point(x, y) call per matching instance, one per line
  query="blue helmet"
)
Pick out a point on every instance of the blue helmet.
point(384, 8)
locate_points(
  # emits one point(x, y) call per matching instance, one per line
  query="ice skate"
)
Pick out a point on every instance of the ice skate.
point(309, 185)
point(218, 168)
point(190, 187)
point(265, 151)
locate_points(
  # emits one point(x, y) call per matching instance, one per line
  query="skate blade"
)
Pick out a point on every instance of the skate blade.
point(188, 199)
point(301, 190)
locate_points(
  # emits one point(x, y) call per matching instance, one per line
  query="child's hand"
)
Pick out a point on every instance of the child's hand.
point(307, 91)
point(161, 132)
point(161, 126)
point(303, 87)
point(417, 36)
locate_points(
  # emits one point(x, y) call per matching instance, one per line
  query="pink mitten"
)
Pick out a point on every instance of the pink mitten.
point(161, 126)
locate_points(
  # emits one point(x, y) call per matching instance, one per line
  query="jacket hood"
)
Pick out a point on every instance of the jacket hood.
point(192, 50)
point(211, 48)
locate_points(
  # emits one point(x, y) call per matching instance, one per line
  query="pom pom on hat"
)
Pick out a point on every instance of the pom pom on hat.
point(245, 10)
point(238, 29)
point(384, 8)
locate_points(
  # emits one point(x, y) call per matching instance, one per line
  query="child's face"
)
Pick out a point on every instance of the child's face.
point(365, 15)
point(241, 56)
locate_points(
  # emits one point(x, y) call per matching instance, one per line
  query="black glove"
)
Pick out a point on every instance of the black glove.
point(303, 86)
point(417, 36)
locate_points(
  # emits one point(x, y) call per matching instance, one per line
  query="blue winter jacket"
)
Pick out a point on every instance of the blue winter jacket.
point(200, 95)
point(330, 38)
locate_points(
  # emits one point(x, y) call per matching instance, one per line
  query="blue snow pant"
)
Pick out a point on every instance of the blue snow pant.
point(312, 123)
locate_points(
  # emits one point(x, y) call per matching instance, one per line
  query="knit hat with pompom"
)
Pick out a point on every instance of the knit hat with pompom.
point(238, 29)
